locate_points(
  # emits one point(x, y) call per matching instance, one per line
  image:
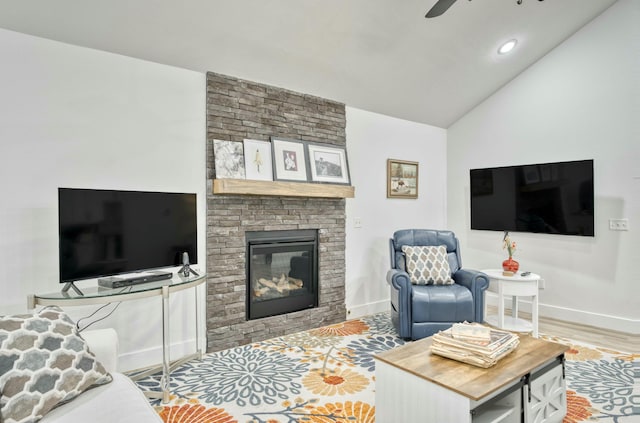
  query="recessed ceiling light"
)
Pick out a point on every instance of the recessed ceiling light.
point(507, 47)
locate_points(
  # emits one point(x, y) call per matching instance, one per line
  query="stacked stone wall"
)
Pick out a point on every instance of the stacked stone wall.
point(238, 110)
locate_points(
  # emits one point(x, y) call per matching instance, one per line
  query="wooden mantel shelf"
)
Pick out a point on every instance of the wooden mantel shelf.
point(282, 189)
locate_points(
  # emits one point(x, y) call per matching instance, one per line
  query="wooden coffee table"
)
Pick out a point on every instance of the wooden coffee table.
point(527, 385)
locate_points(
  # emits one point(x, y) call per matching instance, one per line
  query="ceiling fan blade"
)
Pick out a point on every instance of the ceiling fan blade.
point(439, 8)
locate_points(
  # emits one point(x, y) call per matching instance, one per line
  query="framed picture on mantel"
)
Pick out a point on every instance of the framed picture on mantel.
point(228, 159)
point(328, 163)
point(289, 160)
point(257, 160)
point(402, 179)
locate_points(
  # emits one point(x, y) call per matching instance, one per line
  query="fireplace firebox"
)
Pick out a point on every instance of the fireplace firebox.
point(282, 272)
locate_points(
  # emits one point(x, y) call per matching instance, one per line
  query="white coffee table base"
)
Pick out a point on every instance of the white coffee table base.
point(414, 385)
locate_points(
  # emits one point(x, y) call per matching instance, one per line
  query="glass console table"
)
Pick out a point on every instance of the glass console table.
point(163, 288)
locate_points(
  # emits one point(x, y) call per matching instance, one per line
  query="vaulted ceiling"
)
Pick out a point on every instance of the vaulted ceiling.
point(377, 55)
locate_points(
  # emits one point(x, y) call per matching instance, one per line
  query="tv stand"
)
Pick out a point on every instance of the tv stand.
point(163, 288)
point(68, 285)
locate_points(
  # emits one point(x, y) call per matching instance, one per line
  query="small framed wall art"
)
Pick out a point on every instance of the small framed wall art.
point(328, 163)
point(257, 160)
point(289, 160)
point(228, 159)
point(402, 179)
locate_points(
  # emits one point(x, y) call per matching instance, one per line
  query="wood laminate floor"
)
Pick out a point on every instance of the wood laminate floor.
point(621, 341)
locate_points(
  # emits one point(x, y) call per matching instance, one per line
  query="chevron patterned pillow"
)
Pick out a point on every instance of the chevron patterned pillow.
point(428, 265)
point(44, 362)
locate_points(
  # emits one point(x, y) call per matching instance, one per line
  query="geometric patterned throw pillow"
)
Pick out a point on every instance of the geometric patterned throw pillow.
point(44, 362)
point(428, 265)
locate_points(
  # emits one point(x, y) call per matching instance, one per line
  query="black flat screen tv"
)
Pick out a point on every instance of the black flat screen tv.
point(110, 232)
point(553, 198)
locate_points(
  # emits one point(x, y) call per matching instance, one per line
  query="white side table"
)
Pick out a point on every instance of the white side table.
point(514, 286)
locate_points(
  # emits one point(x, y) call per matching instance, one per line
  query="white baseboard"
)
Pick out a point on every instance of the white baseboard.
point(141, 359)
point(361, 310)
point(604, 321)
point(619, 324)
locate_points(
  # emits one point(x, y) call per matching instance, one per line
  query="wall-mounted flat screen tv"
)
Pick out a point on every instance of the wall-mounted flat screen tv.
point(110, 232)
point(553, 198)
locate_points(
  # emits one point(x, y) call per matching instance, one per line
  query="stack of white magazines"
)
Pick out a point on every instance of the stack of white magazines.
point(474, 344)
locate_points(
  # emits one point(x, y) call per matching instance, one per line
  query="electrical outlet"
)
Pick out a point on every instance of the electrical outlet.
point(619, 224)
point(357, 222)
point(541, 284)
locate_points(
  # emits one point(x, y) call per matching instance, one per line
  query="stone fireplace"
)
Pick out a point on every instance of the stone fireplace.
point(238, 109)
point(282, 272)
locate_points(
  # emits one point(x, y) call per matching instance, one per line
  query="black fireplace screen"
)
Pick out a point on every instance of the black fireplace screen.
point(282, 272)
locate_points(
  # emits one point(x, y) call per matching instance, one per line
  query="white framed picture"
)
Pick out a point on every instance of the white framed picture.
point(257, 160)
point(289, 160)
point(328, 163)
point(228, 159)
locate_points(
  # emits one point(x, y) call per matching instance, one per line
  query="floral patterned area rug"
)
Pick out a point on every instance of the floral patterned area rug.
point(327, 375)
point(603, 385)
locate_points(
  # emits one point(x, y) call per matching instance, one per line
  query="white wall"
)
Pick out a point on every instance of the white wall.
point(581, 101)
point(371, 140)
point(75, 117)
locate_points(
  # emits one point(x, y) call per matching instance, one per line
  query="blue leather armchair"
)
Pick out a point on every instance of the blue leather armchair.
point(418, 311)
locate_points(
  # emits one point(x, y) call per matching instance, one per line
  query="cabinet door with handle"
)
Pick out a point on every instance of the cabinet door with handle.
point(546, 402)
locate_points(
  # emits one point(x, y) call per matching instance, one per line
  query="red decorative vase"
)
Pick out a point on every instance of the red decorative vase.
point(510, 265)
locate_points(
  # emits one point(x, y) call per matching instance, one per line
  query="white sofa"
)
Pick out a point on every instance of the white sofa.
point(119, 401)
